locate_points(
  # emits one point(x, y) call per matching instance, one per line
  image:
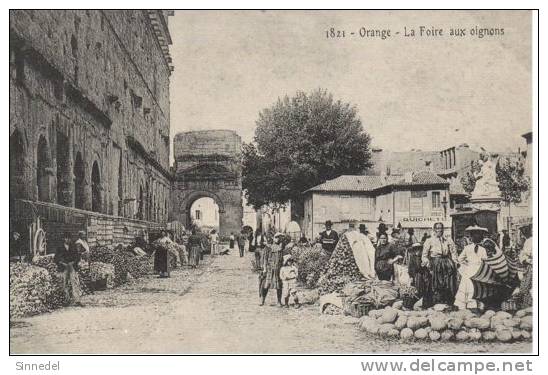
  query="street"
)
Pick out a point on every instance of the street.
point(213, 309)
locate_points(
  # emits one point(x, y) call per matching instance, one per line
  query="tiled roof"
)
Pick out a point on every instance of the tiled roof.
point(371, 183)
point(351, 183)
point(455, 188)
point(422, 178)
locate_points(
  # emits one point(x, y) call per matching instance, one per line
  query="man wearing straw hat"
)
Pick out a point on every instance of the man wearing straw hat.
point(470, 261)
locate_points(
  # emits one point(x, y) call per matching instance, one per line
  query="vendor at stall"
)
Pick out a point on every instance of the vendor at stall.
point(385, 257)
point(328, 238)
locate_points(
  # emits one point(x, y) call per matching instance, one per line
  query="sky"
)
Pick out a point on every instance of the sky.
point(424, 93)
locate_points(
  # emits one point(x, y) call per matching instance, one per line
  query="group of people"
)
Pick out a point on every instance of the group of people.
point(277, 269)
point(190, 251)
point(433, 265)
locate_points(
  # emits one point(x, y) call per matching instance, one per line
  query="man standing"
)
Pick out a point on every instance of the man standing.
point(329, 238)
point(67, 258)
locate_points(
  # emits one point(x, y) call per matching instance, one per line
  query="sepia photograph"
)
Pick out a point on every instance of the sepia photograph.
point(260, 182)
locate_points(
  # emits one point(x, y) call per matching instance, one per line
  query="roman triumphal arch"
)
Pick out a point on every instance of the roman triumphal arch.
point(208, 164)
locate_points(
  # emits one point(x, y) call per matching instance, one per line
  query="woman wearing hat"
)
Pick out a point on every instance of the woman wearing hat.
point(440, 255)
point(470, 261)
point(272, 263)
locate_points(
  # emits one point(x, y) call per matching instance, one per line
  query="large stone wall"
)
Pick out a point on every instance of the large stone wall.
point(208, 164)
point(89, 92)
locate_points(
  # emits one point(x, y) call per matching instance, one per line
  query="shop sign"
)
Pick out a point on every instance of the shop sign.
point(422, 221)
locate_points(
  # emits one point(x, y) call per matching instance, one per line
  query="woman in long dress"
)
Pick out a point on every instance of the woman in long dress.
point(385, 257)
point(272, 263)
point(421, 276)
point(439, 255)
point(161, 255)
point(195, 248)
point(470, 261)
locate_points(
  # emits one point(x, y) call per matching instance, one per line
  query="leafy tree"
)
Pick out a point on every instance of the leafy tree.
point(469, 179)
point(301, 142)
point(511, 179)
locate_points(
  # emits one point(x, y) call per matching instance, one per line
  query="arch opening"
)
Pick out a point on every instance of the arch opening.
point(43, 170)
point(205, 213)
point(18, 159)
point(95, 188)
point(79, 181)
point(140, 210)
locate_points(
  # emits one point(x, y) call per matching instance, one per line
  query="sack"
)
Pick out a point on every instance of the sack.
point(401, 275)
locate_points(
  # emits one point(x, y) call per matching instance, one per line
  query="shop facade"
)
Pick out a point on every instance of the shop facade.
point(415, 200)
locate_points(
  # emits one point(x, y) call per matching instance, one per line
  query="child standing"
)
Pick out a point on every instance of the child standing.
point(288, 274)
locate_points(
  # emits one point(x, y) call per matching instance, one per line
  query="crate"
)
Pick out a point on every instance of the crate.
point(100, 284)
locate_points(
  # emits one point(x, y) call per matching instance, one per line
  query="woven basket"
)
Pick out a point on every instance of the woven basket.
point(409, 302)
point(509, 305)
point(357, 310)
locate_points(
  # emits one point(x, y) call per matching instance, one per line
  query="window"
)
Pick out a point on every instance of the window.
point(365, 207)
point(436, 201)
point(402, 201)
point(198, 215)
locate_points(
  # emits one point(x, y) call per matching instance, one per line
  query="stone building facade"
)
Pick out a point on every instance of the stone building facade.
point(89, 110)
point(414, 200)
point(208, 164)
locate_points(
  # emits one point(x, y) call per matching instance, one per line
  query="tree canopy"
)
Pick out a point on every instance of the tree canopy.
point(301, 142)
point(512, 180)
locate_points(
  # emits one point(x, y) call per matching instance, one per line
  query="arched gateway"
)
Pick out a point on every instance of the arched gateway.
point(208, 164)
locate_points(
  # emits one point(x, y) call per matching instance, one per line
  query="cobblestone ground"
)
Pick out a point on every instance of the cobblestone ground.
point(213, 309)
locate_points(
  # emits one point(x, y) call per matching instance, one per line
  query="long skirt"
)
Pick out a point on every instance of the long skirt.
point(71, 284)
point(444, 280)
point(525, 298)
point(422, 280)
point(194, 256)
point(161, 260)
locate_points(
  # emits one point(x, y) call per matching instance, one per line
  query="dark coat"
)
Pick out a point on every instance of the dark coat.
point(62, 255)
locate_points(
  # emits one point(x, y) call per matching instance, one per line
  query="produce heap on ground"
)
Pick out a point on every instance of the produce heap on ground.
point(462, 325)
point(380, 308)
point(37, 287)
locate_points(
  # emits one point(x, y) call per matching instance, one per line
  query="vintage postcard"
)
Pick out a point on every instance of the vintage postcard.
point(272, 182)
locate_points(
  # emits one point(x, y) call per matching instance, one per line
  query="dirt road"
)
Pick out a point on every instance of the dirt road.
point(213, 309)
